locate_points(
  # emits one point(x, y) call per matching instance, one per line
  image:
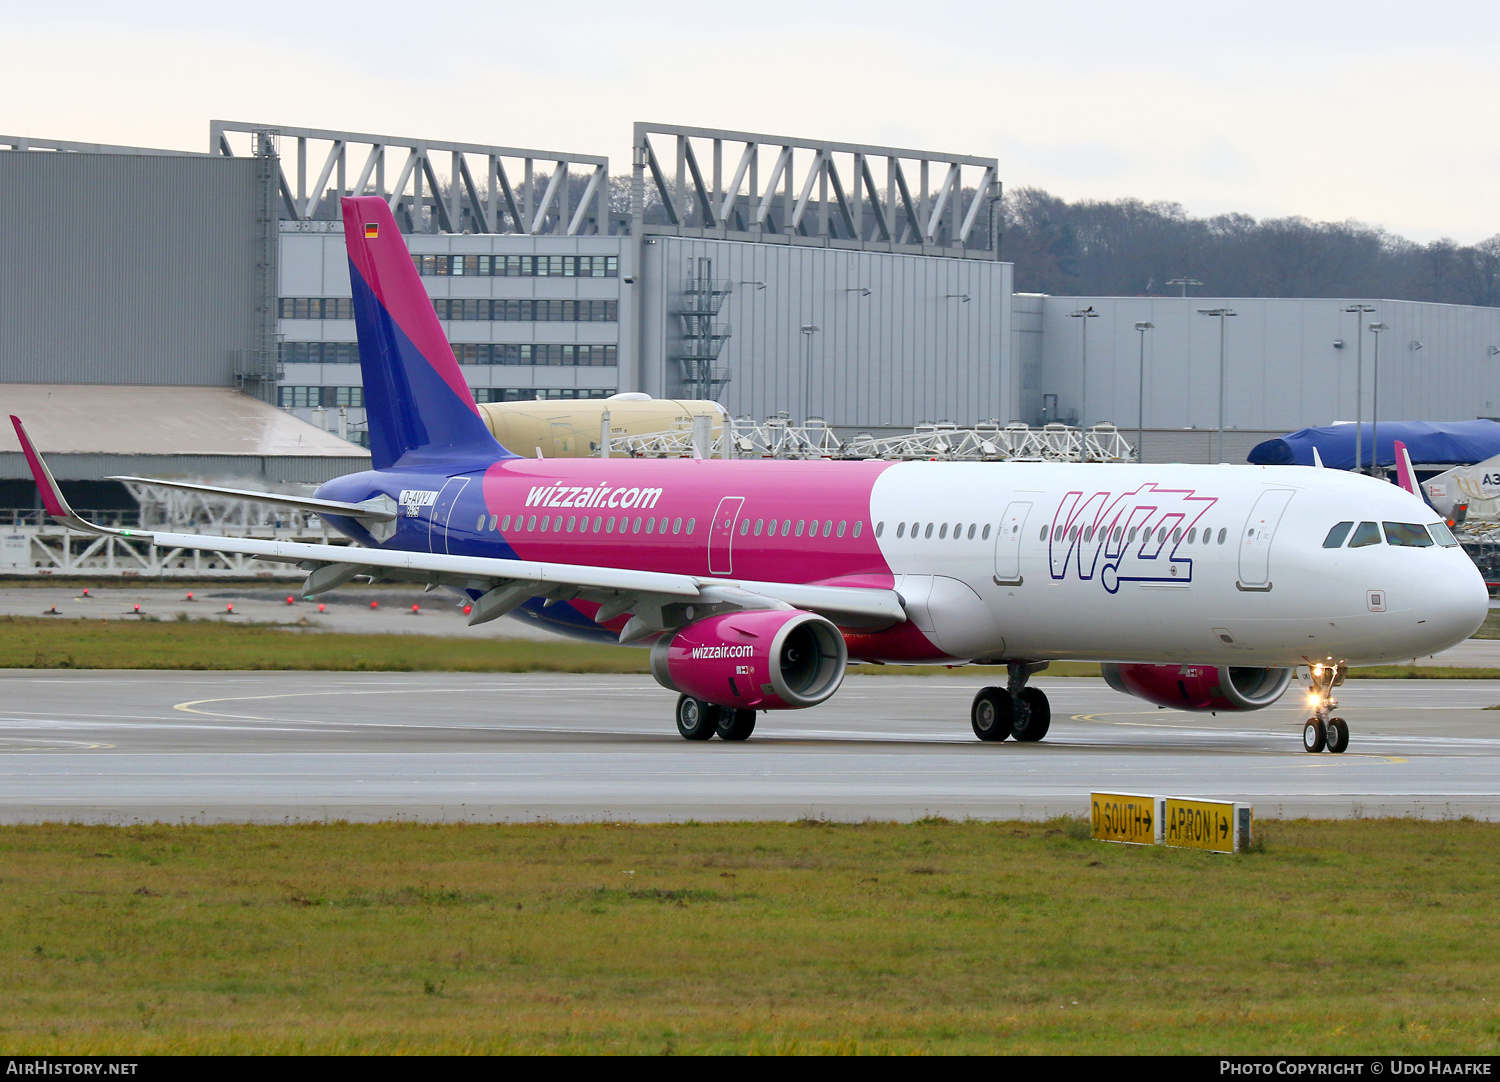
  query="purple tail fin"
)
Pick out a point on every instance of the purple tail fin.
point(418, 403)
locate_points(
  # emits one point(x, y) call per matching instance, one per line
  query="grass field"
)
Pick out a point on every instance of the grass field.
point(1338, 937)
point(29, 642)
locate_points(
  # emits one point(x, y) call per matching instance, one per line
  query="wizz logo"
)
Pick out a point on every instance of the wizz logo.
point(1140, 536)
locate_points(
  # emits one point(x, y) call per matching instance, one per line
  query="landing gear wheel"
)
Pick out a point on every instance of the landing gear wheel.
point(1314, 736)
point(735, 724)
point(992, 714)
point(1032, 721)
point(1337, 738)
point(696, 719)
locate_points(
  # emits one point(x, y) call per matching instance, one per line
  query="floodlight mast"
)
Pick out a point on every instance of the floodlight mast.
point(1376, 329)
point(1140, 396)
point(1359, 311)
point(1084, 314)
point(1222, 314)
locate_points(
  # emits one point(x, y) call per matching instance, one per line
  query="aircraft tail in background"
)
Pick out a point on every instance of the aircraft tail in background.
point(418, 404)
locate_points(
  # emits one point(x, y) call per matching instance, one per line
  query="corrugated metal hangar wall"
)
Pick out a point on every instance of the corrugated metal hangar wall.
point(893, 339)
point(126, 268)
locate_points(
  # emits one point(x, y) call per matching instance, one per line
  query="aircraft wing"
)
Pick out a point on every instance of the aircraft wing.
point(506, 584)
point(365, 512)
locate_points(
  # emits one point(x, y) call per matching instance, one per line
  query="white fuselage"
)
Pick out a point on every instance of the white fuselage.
point(1203, 564)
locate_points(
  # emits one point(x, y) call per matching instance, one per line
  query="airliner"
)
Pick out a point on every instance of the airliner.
point(756, 583)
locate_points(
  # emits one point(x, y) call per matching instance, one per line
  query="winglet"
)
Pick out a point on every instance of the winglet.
point(1317, 458)
point(51, 493)
point(1406, 477)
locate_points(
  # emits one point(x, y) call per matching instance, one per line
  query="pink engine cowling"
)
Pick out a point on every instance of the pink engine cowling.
point(766, 659)
point(1200, 687)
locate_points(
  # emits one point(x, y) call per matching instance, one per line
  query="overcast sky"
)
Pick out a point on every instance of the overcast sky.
point(1377, 111)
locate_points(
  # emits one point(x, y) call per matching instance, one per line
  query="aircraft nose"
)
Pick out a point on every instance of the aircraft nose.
point(1461, 605)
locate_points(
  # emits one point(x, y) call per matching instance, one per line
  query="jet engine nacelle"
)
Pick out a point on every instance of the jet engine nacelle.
point(1200, 687)
point(764, 659)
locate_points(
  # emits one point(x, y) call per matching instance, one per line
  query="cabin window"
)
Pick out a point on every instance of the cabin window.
point(1134, 530)
point(544, 522)
point(842, 526)
point(1365, 534)
point(801, 523)
point(635, 527)
point(505, 524)
point(479, 528)
point(651, 525)
point(744, 527)
point(1407, 535)
point(759, 523)
point(1223, 535)
point(943, 532)
point(572, 522)
point(677, 525)
point(929, 530)
point(691, 523)
point(1335, 538)
point(661, 527)
point(1073, 534)
point(827, 527)
point(1176, 534)
point(531, 524)
point(609, 525)
point(973, 526)
point(1192, 535)
point(1442, 535)
point(900, 529)
point(986, 535)
point(786, 527)
point(1088, 534)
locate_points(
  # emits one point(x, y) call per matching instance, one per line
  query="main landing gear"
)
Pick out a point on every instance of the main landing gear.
point(1014, 710)
point(1321, 732)
point(700, 720)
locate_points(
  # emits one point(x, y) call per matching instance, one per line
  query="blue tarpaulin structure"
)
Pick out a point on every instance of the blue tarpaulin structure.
point(1454, 443)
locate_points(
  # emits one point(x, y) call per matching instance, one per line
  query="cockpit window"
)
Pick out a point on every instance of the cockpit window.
point(1407, 535)
point(1336, 535)
point(1366, 533)
point(1442, 535)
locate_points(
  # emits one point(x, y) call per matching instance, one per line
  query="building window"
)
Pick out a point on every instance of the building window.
point(518, 266)
point(533, 394)
point(528, 311)
point(315, 308)
point(319, 353)
point(293, 397)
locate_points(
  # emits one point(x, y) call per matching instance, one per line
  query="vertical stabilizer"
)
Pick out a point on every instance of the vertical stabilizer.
point(1406, 477)
point(418, 403)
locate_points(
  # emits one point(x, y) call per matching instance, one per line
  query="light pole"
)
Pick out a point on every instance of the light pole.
point(1140, 395)
point(1222, 314)
point(1084, 315)
point(1375, 329)
point(1359, 311)
point(808, 330)
point(1184, 283)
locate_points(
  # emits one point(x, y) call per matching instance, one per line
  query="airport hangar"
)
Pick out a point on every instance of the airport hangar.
point(169, 313)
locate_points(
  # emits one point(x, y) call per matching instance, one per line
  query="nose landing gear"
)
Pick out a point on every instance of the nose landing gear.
point(1321, 731)
point(1014, 710)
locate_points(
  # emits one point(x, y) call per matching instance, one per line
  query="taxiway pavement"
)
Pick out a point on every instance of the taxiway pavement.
point(129, 746)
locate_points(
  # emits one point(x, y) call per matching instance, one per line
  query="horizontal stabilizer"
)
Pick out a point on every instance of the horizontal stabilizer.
point(275, 499)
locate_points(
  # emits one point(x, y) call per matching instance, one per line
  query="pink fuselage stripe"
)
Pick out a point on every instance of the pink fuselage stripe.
point(651, 504)
point(387, 268)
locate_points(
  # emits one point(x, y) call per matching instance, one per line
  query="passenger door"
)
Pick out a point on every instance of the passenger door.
point(1256, 537)
point(721, 536)
point(1008, 545)
point(442, 511)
